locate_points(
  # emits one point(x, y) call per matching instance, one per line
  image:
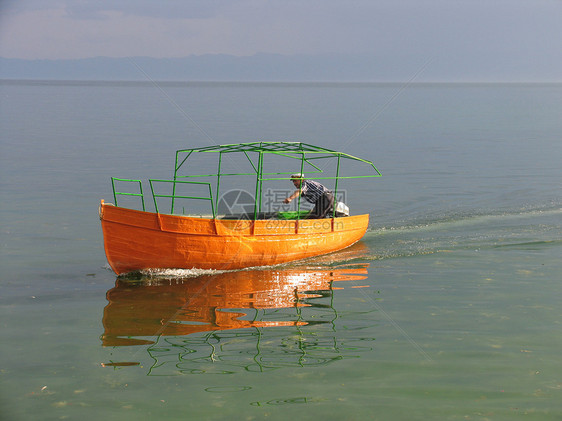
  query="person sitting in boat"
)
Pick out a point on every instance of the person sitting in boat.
point(315, 193)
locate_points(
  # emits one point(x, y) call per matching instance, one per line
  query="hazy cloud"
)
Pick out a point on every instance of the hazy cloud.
point(490, 33)
point(162, 9)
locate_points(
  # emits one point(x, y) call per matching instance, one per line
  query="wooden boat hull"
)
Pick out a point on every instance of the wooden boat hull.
point(136, 240)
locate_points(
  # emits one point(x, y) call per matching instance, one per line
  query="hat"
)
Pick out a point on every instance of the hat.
point(297, 176)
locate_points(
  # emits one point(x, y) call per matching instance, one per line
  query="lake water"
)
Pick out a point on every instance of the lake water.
point(449, 308)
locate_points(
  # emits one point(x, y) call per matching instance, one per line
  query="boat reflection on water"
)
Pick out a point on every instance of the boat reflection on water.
point(187, 323)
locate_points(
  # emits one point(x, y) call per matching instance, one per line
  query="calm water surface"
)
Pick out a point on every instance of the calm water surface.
point(448, 309)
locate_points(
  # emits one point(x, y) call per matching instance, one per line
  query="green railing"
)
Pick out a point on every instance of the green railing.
point(118, 193)
point(174, 196)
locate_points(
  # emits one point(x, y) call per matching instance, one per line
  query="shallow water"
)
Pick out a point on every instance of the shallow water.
point(447, 309)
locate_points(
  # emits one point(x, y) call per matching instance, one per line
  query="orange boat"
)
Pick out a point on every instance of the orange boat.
point(136, 240)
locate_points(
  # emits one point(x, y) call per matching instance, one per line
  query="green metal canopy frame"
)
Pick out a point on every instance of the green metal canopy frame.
point(303, 152)
point(296, 150)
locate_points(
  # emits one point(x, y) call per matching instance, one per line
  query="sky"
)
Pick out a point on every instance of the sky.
point(495, 33)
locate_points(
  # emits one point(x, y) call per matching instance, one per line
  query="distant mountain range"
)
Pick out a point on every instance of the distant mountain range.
point(260, 67)
point(268, 67)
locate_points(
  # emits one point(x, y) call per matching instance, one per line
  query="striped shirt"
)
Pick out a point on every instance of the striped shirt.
point(312, 190)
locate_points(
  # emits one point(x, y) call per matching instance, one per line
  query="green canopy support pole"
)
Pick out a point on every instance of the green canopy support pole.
point(261, 183)
point(257, 200)
point(185, 159)
point(336, 187)
point(250, 160)
point(300, 187)
point(218, 181)
point(174, 185)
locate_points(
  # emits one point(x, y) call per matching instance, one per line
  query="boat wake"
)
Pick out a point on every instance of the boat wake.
point(466, 232)
point(178, 273)
point(441, 222)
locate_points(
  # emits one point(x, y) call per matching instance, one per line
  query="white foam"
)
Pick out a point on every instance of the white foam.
point(178, 273)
